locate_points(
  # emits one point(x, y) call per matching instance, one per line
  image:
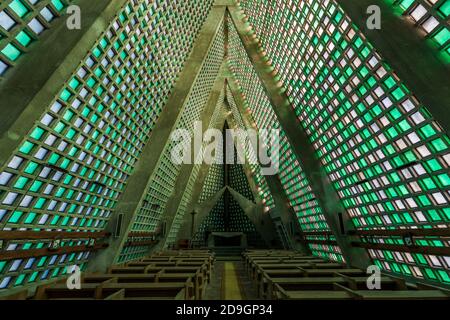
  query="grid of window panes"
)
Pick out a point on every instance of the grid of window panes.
point(214, 222)
point(386, 155)
point(238, 219)
point(162, 184)
point(238, 222)
point(431, 16)
point(215, 122)
point(181, 211)
point(19, 272)
point(427, 266)
point(21, 23)
point(292, 177)
point(258, 178)
point(72, 166)
point(182, 207)
point(262, 186)
point(214, 182)
point(132, 253)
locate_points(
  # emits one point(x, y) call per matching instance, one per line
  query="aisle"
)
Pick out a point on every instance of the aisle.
point(230, 282)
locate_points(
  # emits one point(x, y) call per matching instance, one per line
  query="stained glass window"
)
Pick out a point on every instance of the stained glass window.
point(381, 147)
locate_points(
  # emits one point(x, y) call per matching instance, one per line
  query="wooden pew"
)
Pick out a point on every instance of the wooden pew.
point(288, 275)
point(401, 295)
point(258, 269)
point(199, 270)
point(323, 284)
point(109, 290)
point(263, 280)
point(282, 294)
point(153, 291)
point(348, 294)
point(182, 275)
point(249, 256)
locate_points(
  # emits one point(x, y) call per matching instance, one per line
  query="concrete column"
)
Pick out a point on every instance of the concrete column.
point(262, 221)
